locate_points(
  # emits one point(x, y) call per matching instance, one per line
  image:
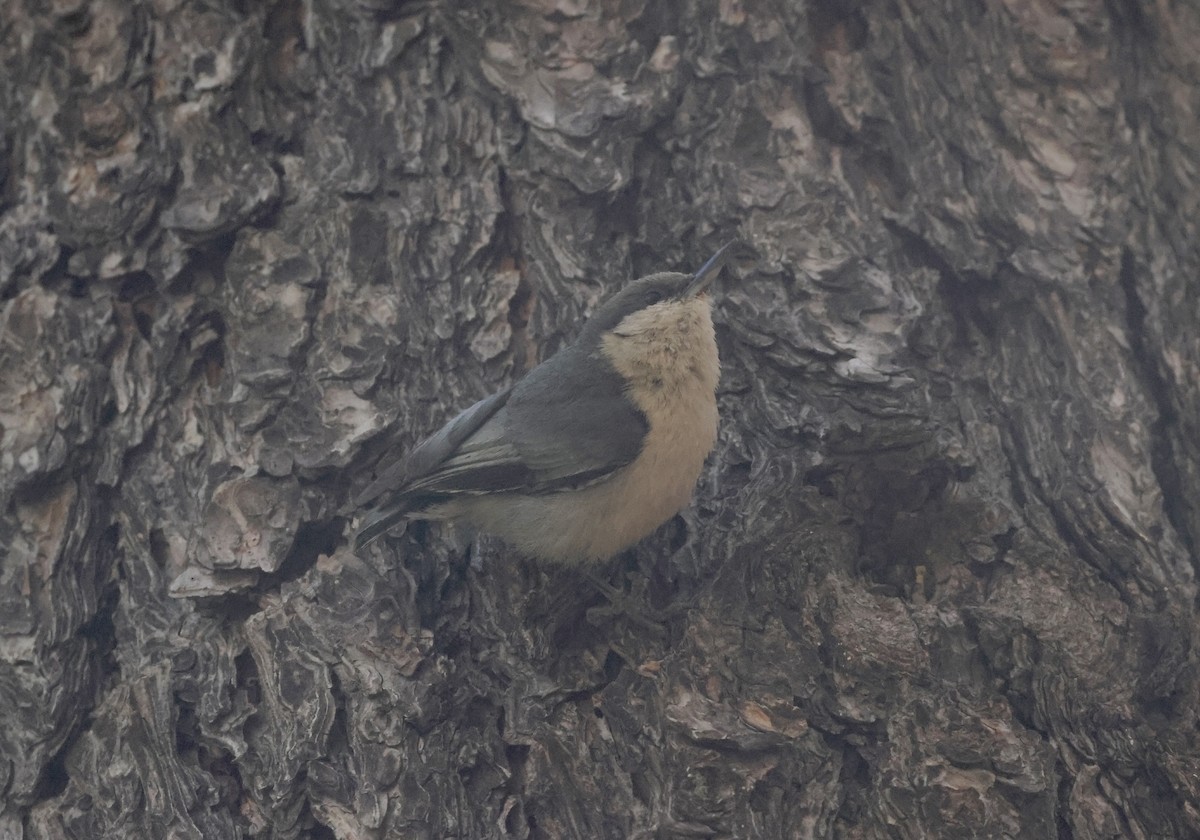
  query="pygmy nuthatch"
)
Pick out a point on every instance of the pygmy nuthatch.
point(593, 449)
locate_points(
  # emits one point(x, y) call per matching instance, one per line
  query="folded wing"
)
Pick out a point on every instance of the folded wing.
point(550, 432)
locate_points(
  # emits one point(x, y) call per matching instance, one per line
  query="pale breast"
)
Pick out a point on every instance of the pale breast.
point(668, 357)
point(599, 521)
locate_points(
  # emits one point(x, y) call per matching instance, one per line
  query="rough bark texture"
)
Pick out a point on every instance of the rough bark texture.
point(939, 578)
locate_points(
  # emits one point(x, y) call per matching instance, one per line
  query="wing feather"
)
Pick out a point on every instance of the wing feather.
point(433, 452)
point(565, 425)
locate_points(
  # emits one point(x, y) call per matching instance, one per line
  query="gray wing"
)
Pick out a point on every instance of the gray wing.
point(434, 451)
point(572, 423)
point(567, 424)
point(397, 490)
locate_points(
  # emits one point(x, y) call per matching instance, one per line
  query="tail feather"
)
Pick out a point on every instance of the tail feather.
point(378, 523)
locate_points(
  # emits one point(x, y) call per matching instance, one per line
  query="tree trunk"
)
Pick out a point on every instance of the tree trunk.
point(939, 576)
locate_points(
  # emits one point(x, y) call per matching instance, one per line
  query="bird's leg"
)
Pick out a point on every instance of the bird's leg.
point(632, 605)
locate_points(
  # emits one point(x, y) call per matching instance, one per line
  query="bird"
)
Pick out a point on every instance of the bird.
point(588, 453)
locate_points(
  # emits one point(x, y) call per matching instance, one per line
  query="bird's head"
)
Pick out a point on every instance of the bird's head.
point(658, 302)
point(660, 326)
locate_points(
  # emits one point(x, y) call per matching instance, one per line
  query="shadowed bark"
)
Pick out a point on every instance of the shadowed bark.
point(939, 576)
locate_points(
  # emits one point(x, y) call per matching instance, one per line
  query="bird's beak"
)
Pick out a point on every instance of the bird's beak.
point(708, 273)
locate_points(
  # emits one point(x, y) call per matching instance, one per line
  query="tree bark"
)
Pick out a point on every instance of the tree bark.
point(939, 576)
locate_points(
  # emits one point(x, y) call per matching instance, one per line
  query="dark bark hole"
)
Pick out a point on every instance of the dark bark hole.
point(160, 550)
point(574, 622)
point(517, 756)
point(655, 21)
point(677, 533)
point(54, 778)
point(971, 297)
point(186, 728)
point(618, 220)
point(613, 664)
point(512, 822)
point(102, 632)
point(1063, 811)
point(823, 479)
point(1004, 542)
point(77, 23)
point(231, 608)
point(826, 122)
point(209, 361)
point(143, 317)
point(1164, 427)
point(320, 831)
point(1131, 19)
point(369, 248)
point(247, 677)
point(879, 164)
point(135, 286)
point(312, 540)
point(838, 26)
point(752, 138)
point(339, 732)
point(662, 588)
point(108, 413)
point(520, 307)
point(206, 267)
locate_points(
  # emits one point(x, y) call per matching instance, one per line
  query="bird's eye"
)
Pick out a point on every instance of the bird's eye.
point(655, 296)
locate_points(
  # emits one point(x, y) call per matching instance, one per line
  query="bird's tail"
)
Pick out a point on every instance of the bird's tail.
point(377, 523)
